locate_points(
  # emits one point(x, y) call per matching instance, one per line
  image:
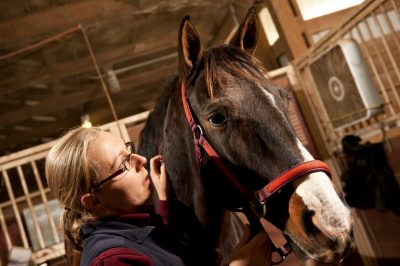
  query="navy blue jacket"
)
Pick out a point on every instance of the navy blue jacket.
point(135, 239)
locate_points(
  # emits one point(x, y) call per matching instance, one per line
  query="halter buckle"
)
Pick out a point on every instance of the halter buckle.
point(258, 207)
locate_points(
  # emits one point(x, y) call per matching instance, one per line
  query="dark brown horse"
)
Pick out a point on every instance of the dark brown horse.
point(242, 115)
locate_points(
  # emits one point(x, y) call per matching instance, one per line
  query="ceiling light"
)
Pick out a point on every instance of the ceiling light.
point(41, 86)
point(113, 81)
point(42, 118)
point(22, 128)
point(31, 102)
point(85, 121)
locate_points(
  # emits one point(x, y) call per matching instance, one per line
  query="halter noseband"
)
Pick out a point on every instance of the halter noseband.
point(264, 193)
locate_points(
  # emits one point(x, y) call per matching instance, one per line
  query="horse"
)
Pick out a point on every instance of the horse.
point(243, 116)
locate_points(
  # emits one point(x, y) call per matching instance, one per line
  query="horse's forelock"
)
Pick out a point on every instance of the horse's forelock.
point(232, 61)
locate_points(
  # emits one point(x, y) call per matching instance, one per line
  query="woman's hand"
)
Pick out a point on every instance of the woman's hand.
point(252, 251)
point(159, 177)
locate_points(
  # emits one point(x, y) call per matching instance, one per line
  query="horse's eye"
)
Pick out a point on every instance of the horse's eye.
point(217, 119)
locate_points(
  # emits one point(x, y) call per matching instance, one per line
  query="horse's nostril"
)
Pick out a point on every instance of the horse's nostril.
point(313, 225)
point(308, 224)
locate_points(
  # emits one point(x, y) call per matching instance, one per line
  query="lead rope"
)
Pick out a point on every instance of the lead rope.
point(256, 227)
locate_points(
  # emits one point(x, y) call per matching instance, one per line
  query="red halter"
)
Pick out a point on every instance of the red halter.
point(262, 194)
point(273, 186)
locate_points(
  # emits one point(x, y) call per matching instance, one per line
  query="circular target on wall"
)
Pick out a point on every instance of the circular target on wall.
point(336, 88)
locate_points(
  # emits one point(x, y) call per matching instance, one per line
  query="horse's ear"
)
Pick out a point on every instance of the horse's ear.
point(247, 35)
point(189, 48)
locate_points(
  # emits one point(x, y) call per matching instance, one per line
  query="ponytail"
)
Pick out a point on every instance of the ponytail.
point(70, 225)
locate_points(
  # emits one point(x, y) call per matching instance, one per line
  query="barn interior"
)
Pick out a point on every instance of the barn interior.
point(70, 63)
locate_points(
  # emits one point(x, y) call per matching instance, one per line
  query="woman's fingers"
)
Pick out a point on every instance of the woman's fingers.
point(159, 177)
point(155, 164)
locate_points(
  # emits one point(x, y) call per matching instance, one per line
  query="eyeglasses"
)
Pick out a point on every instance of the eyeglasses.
point(126, 165)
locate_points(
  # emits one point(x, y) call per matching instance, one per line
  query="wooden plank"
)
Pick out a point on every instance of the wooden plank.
point(99, 113)
point(17, 214)
point(45, 202)
point(4, 230)
point(22, 30)
point(329, 21)
point(28, 199)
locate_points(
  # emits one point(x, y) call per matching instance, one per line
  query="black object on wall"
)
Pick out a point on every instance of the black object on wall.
point(368, 180)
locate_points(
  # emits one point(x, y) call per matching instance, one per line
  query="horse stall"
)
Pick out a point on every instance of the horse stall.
point(29, 214)
point(365, 53)
point(360, 60)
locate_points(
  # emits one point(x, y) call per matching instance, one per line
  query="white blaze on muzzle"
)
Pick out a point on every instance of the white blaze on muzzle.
point(319, 195)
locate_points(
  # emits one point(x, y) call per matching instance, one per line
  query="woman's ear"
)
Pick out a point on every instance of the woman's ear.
point(90, 202)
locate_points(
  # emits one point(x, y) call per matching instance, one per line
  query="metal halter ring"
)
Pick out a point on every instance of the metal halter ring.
point(198, 131)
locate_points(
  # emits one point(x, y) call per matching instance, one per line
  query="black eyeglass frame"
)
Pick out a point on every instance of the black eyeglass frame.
point(130, 144)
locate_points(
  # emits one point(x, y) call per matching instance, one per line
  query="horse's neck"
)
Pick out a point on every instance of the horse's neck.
point(178, 150)
point(167, 133)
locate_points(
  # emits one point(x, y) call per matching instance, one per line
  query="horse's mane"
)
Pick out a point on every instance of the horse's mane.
point(154, 125)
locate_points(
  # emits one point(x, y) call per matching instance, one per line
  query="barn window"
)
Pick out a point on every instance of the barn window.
point(315, 8)
point(269, 26)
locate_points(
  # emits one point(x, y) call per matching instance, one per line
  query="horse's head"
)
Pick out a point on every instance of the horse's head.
point(244, 117)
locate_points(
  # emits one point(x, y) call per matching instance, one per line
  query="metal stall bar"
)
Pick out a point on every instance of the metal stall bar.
point(31, 208)
point(15, 208)
point(45, 202)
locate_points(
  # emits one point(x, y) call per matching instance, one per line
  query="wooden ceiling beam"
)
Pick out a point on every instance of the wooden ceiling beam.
point(72, 119)
point(100, 114)
point(74, 67)
point(23, 30)
point(46, 130)
point(52, 104)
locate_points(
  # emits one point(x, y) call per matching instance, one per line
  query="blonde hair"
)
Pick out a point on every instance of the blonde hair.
point(69, 177)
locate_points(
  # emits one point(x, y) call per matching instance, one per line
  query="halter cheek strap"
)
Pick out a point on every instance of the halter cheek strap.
point(273, 186)
point(201, 141)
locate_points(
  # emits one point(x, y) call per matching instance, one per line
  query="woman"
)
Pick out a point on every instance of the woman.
point(104, 186)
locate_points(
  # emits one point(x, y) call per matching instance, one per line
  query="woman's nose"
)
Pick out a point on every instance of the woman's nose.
point(139, 161)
